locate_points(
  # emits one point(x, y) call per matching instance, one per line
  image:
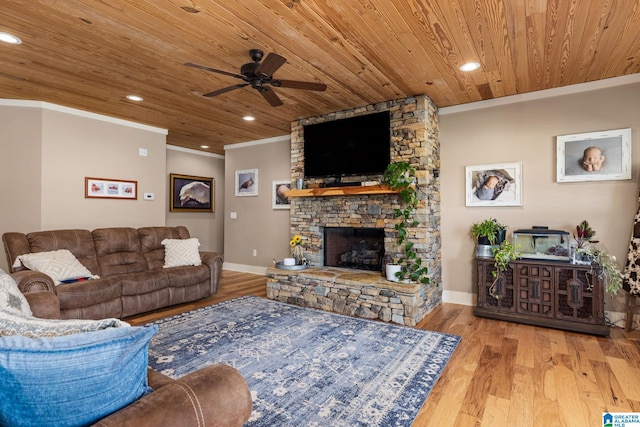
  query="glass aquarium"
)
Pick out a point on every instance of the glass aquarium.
point(542, 243)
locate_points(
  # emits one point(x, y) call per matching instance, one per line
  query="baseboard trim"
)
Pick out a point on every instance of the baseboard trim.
point(463, 298)
point(243, 268)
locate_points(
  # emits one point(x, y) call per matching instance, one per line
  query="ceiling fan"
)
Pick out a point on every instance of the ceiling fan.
point(259, 75)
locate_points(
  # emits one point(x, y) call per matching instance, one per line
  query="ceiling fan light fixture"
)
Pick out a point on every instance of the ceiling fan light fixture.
point(10, 38)
point(135, 98)
point(470, 66)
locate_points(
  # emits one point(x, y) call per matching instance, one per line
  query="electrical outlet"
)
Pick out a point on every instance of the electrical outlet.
point(255, 252)
point(142, 152)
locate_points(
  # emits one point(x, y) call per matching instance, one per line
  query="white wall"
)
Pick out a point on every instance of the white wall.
point(208, 227)
point(525, 132)
point(258, 226)
point(48, 150)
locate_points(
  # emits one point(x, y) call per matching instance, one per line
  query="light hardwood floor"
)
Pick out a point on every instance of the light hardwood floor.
point(502, 373)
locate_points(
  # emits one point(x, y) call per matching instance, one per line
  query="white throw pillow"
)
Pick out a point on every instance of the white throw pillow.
point(181, 252)
point(11, 299)
point(60, 265)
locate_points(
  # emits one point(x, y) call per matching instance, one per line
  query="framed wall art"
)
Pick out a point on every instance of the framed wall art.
point(247, 182)
point(103, 188)
point(191, 193)
point(594, 156)
point(498, 184)
point(279, 200)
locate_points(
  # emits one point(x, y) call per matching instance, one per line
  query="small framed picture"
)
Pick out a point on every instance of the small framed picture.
point(279, 197)
point(247, 182)
point(102, 188)
point(191, 193)
point(594, 156)
point(498, 184)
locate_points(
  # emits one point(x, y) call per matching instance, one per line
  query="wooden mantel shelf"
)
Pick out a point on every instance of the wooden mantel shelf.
point(341, 191)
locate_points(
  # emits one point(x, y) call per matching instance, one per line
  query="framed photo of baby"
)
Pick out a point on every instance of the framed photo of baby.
point(594, 156)
point(497, 184)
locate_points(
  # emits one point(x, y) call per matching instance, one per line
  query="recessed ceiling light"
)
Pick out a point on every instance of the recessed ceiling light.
point(10, 38)
point(470, 66)
point(204, 146)
point(248, 118)
point(134, 98)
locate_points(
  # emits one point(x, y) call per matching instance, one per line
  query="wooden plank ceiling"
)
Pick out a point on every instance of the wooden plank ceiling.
point(89, 54)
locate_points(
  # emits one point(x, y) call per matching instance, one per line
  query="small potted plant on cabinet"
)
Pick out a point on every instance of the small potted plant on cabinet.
point(488, 234)
point(586, 252)
point(502, 255)
point(401, 176)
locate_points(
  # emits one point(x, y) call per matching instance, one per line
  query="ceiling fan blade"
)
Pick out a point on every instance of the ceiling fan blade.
point(213, 70)
point(271, 97)
point(295, 84)
point(225, 90)
point(271, 63)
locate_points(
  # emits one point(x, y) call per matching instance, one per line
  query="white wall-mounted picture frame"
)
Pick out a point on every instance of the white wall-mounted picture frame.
point(247, 182)
point(279, 200)
point(496, 184)
point(594, 156)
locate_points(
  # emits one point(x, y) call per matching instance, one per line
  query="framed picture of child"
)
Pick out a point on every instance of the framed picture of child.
point(594, 156)
point(498, 184)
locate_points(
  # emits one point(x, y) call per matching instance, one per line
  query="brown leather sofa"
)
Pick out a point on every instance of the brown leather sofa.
point(129, 262)
point(214, 396)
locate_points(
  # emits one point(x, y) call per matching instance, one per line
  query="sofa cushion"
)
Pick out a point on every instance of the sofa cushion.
point(144, 282)
point(118, 251)
point(11, 299)
point(181, 252)
point(89, 292)
point(72, 380)
point(78, 242)
point(60, 265)
point(188, 276)
point(150, 241)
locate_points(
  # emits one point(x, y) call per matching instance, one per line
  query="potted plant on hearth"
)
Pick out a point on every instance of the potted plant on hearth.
point(488, 234)
point(401, 176)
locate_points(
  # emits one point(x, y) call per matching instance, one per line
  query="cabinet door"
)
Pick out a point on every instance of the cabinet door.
point(535, 289)
point(578, 296)
point(497, 295)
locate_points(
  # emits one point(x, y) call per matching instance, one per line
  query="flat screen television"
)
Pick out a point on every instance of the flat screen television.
point(354, 146)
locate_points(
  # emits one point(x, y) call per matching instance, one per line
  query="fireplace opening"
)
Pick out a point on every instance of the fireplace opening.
point(350, 247)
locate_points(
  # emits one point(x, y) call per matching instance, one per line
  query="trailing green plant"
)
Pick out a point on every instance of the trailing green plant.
point(401, 176)
point(489, 229)
point(502, 256)
point(610, 272)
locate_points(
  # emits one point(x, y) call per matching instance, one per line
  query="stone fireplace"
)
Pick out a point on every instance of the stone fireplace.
point(414, 138)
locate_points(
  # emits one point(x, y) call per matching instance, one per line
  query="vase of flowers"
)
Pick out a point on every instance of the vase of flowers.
point(297, 251)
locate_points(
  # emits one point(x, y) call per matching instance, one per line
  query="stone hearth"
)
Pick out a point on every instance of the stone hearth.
point(352, 292)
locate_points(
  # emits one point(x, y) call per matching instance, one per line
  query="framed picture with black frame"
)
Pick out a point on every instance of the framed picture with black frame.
point(190, 193)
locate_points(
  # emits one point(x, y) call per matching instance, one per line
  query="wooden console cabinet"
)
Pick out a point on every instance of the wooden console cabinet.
point(553, 294)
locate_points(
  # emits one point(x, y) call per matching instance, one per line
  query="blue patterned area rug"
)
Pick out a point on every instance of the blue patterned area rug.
point(308, 367)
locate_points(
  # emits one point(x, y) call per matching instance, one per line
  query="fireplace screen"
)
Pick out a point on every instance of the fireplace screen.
point(359, 248)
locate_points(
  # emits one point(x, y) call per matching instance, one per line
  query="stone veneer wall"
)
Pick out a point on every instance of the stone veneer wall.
point(414, 138)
